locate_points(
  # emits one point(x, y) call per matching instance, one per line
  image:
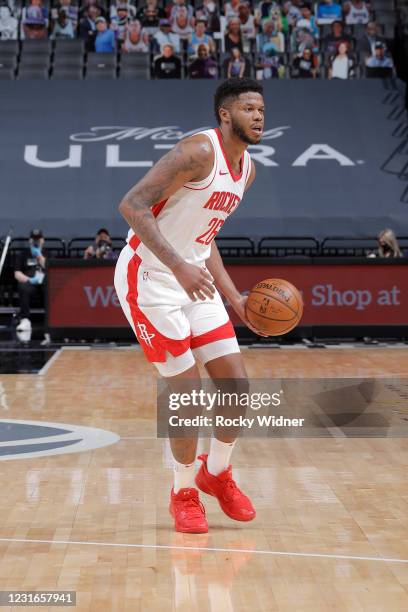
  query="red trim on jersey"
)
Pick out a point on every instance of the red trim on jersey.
point(134, 242)
point(248, 173)
point(201, 188)
point(219, 333)
point(235, 177)
point(156, 209)
point(215, 170)
point(153, 343)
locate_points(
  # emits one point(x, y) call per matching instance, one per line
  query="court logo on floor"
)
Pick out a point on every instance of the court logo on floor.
point(27, 439)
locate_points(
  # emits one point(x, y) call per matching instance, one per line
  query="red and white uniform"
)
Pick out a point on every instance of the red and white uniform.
point(165, 320)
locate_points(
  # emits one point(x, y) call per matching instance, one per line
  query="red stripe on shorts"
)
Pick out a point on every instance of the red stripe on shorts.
point(219, 333)
point(153, 343)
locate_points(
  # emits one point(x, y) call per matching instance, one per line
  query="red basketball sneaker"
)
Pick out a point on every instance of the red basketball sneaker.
point(235, 504)
point(188, 511)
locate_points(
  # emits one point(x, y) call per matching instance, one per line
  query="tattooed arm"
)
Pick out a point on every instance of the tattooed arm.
point(190, 160)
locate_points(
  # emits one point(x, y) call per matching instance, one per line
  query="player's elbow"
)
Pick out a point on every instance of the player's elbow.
point(123, 205)
point(132, 209)
point(125, 208)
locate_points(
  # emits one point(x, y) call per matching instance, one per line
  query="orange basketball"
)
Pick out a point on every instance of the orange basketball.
point(274, 306)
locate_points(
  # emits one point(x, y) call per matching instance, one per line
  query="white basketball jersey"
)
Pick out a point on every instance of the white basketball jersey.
point(357, 15)
point(192, 217)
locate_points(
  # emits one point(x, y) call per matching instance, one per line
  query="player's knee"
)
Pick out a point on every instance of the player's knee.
point(236, 386)
point(173, 366)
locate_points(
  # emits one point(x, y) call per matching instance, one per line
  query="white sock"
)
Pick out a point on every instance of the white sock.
point(219, 456)
point(183, 476)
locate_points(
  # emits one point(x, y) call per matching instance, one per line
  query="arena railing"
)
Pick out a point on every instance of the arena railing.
point(55, 247)
point(77, 246)
point(341, 246)
point(288, 246)
point(236, 246)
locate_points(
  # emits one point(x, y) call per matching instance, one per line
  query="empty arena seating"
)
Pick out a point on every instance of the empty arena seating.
point(278, 246)
point(348, 247)
point(235, 246)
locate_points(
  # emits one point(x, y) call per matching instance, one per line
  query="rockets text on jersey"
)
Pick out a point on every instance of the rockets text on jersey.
point(223, 201)
point(191, 218)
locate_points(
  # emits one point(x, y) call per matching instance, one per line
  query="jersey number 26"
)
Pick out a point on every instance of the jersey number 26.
point(214, 227)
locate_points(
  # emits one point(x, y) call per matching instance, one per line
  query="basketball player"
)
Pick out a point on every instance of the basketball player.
point(166, 273)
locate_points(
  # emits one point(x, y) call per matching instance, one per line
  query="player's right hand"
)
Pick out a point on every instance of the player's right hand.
point(196, 281)
point(239, 307)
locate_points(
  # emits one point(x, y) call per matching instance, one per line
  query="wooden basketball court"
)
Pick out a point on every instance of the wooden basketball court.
point(331, 531)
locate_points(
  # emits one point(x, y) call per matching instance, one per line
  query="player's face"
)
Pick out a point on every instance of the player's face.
point(247, 117)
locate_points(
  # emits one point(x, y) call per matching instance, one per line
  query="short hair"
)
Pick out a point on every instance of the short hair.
point(103, 230)
point(232, 88)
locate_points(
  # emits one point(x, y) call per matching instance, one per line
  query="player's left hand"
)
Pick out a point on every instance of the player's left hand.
point(239, 306)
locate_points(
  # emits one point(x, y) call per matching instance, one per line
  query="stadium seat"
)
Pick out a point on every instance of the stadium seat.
point(288, 246)
point(55, 247)
point(325, 29)
point(67, 73)
point(101, 60)
point(103, 4)
point(386, 17)
point(235, 246)
point(68, 61)
point(378, 73)
point(100, 73)
point(388, 30)
point(35, 56)
point(362, 59)
point(223, 57)
point(8, 47)
point(357, 29)
point(7, 74)
point(136, 72)
point(39, 47)
point(74, 46)
point(34, 61)
point(32, 72)
point(131, 60)
point(8, 61)
point(338, 246)
point(77, 246)
point(381, 5)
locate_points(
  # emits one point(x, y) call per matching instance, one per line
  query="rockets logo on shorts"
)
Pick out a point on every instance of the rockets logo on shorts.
point(144, 334)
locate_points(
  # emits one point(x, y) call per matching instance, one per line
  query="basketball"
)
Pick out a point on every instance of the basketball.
point(274, 306)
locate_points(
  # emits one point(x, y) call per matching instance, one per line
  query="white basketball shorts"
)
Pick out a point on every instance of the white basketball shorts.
point(168, 324)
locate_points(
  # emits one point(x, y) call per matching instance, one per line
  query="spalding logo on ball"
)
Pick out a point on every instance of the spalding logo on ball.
point(274, 306)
